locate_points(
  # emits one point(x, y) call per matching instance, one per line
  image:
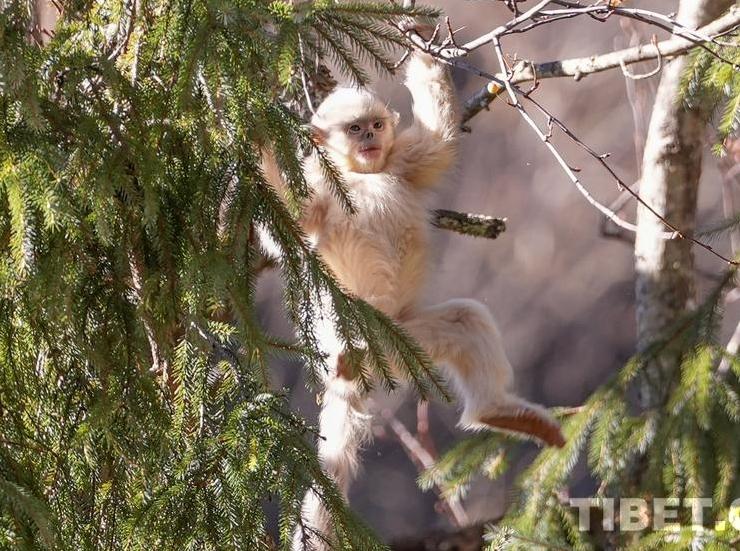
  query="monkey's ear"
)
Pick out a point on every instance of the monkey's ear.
point(318, 135)
point(395, 118)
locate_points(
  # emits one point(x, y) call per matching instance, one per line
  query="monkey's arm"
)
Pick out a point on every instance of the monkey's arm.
point(428, 147)
point(314, 207)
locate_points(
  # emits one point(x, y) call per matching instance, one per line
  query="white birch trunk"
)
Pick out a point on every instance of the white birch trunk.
point(671, 170)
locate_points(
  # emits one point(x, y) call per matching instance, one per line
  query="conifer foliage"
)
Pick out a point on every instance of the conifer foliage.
point(135, 404)
point(714, 81)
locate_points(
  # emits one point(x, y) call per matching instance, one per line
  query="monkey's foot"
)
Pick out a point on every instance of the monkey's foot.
point(527, 421)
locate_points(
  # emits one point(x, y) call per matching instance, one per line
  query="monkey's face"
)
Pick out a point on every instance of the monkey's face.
point(356, 128)
point(366, 142)
point(361, 144)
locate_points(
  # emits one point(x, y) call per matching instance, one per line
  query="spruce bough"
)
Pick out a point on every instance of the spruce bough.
point(136, 410)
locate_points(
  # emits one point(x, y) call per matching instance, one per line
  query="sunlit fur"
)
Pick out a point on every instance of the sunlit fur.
point(380, 255)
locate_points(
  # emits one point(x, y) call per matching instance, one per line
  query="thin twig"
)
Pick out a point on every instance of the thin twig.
point(677, 232)
point(306, 91)
point(130, 24)
point(617, 205)
point(503, 29)
point(424, 460)
point(674, 26)
point(633, 76)
point(601, 13)
point(558, 157)
point(512, 91)
point(451, 51)
point(637, 98)
point(579, 67)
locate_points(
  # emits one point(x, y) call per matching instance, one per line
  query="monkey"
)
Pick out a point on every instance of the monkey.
point(379, 254)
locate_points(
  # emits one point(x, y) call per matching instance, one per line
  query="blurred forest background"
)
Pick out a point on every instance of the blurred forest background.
point(561, 290)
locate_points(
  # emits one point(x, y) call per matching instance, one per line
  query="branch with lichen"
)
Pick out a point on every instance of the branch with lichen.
point(477, 225)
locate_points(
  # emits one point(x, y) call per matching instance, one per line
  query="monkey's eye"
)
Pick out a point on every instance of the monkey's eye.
point(378, 125)
point(355, 128)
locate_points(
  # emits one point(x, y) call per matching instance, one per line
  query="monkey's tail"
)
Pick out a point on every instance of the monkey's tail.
point(344, 426)
point(519, 415)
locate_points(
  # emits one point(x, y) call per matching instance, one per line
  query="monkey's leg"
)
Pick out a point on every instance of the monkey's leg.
point(462, 336)
point(344, 425)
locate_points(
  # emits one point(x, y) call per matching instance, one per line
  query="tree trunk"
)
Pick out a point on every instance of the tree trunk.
point(670, 181)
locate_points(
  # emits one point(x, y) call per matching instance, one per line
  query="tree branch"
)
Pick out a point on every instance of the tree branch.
point(424, 460)
point(545, 138)
point(581, 66)
point(477, 225)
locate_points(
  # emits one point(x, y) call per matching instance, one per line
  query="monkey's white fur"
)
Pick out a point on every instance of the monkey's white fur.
point(380, 255)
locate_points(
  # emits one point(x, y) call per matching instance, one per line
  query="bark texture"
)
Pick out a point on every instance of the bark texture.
point(671, 170)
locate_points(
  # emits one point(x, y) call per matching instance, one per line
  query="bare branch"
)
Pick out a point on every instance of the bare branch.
point(582, 66)
point(610, 214)
point(570, 172)
point(423, 461)
point(503, 29)
point(448, 51)
point(676, 233)
point(632, 76)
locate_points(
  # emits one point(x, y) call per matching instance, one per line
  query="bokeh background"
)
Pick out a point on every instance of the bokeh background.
point(562, 292)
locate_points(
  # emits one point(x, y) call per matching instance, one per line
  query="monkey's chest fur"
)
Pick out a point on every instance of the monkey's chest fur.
point(379, 253)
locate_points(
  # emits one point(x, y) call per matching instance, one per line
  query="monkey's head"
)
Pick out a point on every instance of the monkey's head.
point(357, 128)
